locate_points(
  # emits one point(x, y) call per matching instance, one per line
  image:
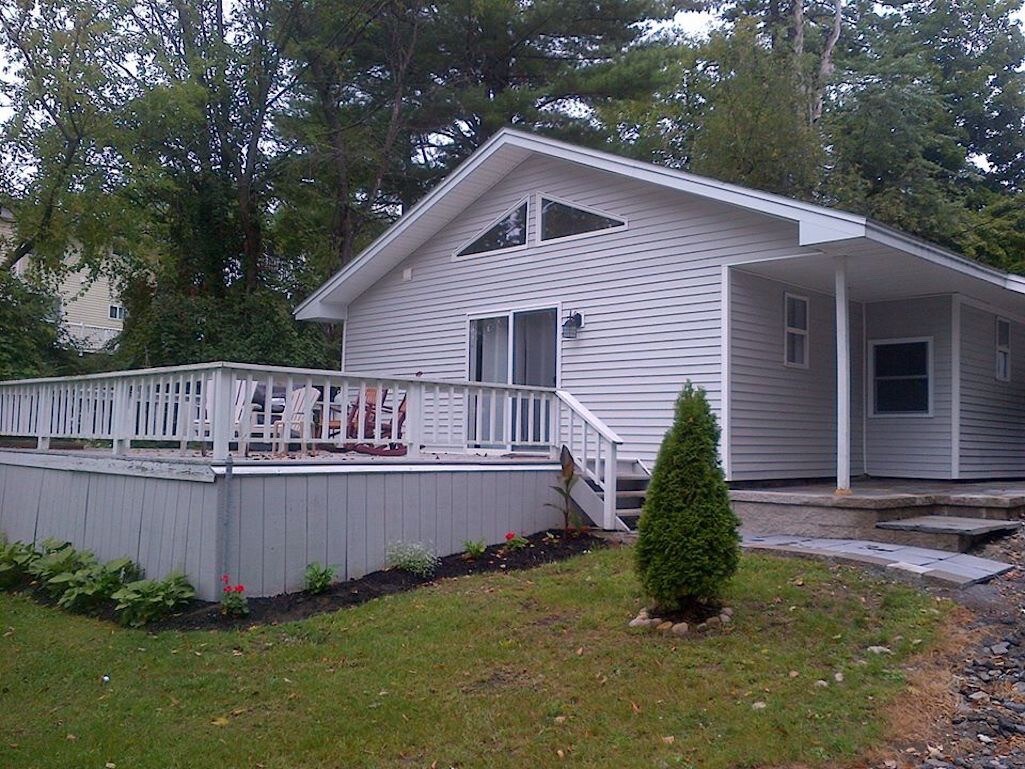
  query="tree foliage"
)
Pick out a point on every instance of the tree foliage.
point(688, 546)
point(219, 159)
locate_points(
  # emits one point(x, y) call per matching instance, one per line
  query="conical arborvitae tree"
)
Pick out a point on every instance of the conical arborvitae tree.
point(688, 545)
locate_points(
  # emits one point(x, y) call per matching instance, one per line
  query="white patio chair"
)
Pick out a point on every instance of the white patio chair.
point(293, 422)
point(241, 409)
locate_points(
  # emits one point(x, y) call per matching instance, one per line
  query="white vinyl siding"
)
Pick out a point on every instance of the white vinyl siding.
point(650, 294)
point(992, 411)
point(913, 446)
point(783, 418)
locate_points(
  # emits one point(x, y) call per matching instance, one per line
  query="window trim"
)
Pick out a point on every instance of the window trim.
point(1002, 349)
point(788, 329)
point(456, 255)
point(119, 312)
point(541, 241)
point(929, 373)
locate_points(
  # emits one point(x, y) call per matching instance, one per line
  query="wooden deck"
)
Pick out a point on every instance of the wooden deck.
point(264, 518)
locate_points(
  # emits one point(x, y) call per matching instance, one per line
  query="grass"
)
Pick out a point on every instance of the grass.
point(533, 668)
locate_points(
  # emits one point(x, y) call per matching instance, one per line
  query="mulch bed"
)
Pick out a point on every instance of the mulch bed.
point(289, 607)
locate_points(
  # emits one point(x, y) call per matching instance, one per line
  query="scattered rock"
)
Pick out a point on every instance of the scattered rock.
point(758, 706)
point(793, 674)
point(664, 627)
point(879, 650)
point(999, 649)
point(713, 621)
point(838, 677)
point(727, 611)
point(681, 628)
point(725, 619)
point(821, 684)
point(639, 622)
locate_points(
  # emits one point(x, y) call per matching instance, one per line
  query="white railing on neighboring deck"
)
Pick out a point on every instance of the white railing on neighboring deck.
point(226, 407)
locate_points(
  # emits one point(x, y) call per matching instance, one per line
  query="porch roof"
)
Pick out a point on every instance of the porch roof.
point(892, 266)
point(821, 229)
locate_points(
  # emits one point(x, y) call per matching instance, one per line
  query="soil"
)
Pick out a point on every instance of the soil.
point(541, 548)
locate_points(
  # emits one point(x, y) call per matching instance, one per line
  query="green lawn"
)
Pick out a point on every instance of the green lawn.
point(503, 670)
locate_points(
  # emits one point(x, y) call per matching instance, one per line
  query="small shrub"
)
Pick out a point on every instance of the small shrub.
point(688, 545)
point(59, 558)
point(318, 577)
point(146, 600)
point(568, 478)
point(414, 557)
point(86, 588)
point(514, 541)
point(233, 598)
point(474, 549)
point(16, 558)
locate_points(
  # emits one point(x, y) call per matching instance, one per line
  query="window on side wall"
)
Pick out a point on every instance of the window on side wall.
point(116, 312)
point(1003, 361)
point(795, 332)
point(901, 377)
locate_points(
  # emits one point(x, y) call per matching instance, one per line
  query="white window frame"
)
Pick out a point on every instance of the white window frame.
point(456, 256)
point(539, 196)
point(118, 312)
point(788, 330)
point(929, 373)
point(1005, 374)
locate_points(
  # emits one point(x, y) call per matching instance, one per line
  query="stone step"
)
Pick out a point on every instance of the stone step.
point(945, 532)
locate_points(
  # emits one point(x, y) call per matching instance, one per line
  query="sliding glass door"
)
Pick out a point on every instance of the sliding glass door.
point(521, 348)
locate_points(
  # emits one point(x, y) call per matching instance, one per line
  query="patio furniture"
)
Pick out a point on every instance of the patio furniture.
point(294, 421)
point(241, 403)
point(391, 429)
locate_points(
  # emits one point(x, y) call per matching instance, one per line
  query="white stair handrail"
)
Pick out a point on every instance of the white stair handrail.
point(601, 467)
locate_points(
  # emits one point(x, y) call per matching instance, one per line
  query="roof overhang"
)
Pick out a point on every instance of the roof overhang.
point(821, 229)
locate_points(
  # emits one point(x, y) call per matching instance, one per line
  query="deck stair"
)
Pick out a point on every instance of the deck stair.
point(632, 479)
point(945, 532)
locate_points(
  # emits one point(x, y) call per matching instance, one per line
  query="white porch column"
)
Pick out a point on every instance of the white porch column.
point(843, 381)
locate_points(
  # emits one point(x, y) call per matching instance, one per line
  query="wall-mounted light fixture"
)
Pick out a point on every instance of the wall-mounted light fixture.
point(573, 323)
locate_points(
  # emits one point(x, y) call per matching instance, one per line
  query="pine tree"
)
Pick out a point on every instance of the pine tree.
point(688, 545)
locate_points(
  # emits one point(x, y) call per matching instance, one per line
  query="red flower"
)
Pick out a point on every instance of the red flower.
point(224, 578)
point(510, 536)
point(240, 588)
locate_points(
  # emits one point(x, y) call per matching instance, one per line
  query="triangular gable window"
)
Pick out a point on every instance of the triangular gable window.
point(508, 232)
point(561, 220)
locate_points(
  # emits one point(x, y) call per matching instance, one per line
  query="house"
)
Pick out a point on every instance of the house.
point(547, 297)
point(830, 345)
point(92, 314)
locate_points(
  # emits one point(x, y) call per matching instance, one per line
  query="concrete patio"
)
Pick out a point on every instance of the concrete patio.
point(937, 566)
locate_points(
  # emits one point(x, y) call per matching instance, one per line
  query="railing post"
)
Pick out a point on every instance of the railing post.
point(611, 461)
point(414, 418)
point(119, 419)
point(220, 412)
point(44, 415)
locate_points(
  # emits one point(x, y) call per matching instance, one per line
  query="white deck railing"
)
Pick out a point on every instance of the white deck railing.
point(231, 408)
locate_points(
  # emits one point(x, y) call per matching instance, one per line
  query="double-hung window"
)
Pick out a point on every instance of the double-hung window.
point(795, 332)
point(901, 377)
point(1003, 361)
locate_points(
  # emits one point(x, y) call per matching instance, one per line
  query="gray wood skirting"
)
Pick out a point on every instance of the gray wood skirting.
point(264, 529)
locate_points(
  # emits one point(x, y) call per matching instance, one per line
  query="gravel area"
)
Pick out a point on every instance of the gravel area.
point(987, 728)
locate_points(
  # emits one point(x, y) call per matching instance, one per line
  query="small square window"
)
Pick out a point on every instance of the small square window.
point(116, 312)
point(795, 331)
point(900, 377)
point(1003, 357)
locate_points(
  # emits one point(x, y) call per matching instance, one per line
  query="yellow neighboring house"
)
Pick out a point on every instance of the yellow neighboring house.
point(92, 313)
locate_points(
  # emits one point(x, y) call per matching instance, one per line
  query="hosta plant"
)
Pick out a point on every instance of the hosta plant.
point(146, 600)
point(59, 558)
point(86, 588)
point(15, 560)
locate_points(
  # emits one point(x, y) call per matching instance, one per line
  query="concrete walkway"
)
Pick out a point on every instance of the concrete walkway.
point(937, 566)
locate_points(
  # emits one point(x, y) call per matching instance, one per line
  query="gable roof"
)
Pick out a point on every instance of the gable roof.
point(509, 147)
